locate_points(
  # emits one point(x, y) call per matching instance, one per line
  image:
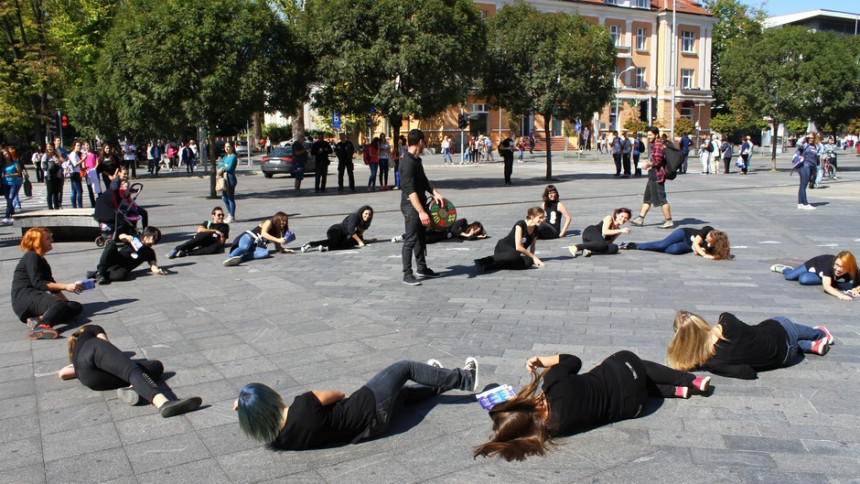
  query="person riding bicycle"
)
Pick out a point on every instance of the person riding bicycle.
point(829, 158)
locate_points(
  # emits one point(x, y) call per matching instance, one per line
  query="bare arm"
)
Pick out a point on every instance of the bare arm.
point(566, 215)
point(827, 283)
point(699, 250)
point(67, 372)
point(328, 397)
point(266, 226)
point(535, 362)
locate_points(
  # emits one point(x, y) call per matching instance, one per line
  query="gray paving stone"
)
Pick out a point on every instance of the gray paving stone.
point(102, 466)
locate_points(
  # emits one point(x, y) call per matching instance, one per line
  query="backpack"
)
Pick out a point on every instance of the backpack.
point(710, 147)
point(674, 160)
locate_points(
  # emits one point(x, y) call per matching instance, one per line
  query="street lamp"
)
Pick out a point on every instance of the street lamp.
point(618, 92)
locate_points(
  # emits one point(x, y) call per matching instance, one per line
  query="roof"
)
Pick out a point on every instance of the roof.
point(793, 18)
point(683, 6)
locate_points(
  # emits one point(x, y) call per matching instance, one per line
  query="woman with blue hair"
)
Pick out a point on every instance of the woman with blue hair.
point(325, 418)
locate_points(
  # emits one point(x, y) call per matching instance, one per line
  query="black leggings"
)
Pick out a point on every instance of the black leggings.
point(114, 265)
point(203, 243)
point(592, 239)
point(659, 381)
point(99, 365)
point(53, 311)
point(507, 259)
point(336, 239)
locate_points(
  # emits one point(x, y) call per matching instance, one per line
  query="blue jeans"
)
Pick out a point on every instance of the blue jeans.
point(8, 194)
point(446, 156)
point(77, 191)
point(673, 244)
point(390, 389)
point(248, 249)
point(802, 275)
point(371, 183)
point(800, 337)
point(383, 172)
point(228, 196)
point(805, 172)
point(819, 174)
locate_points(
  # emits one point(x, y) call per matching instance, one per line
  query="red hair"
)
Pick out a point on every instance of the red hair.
point(32, 240)
point(849, 263)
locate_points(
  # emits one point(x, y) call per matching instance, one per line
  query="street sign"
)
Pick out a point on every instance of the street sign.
point(578, 126)
point(335, 120)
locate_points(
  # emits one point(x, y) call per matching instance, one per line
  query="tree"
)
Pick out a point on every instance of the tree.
point(553, 64)
point(735, 22)
point(796, 77)
point(171, 64)
point(400, 58)
point(684, 126)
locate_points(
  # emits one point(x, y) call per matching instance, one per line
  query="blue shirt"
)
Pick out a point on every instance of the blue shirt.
point(228, 164)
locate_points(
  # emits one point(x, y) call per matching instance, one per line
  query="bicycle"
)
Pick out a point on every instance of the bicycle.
point(829, 168)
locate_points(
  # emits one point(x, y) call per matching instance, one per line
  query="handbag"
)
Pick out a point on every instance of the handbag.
point(28, 187)
point(221, 183)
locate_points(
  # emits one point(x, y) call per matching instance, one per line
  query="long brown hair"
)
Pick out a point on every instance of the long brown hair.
point(520, 428)
point(694, 341)
point(720, 248)
point(73, 340)
point(275, 223)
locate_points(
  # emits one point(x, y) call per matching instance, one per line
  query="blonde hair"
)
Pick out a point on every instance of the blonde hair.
point(694, 341)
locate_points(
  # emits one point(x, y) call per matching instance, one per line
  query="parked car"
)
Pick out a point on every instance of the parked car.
point(280, 161)
point(242, 147)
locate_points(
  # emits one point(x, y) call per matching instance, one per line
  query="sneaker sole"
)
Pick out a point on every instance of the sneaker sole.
point(830, 339)
point(471, 359)
point(128, 396)
point(42, 334)
point(412, 283)
point(184, 406)
point(434, 362)
point(704, 385)
point(232, 262)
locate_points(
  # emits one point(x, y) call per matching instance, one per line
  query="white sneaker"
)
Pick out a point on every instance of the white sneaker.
point(434, 362)
point(228, 219)
point(805, 207)
point(779, 268)
point(306, 248)
point(397, 238)
point(323, 248)
point(233, 261)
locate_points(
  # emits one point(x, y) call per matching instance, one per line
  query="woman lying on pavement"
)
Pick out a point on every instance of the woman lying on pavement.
point(326, 418)
point(614, 390)
point(460, 230)
point(100, 365)
point(347, 234)
point(706, 242)
point(735, 349)
point(825, 270)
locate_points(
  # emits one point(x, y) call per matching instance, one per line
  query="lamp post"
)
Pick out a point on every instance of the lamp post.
point(618, 92)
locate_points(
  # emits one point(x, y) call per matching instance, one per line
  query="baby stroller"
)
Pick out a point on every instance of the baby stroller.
point(118, 213)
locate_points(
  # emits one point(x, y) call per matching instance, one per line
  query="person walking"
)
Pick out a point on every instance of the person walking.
point(705, 150)
point(446, 151)
point(129, 158)
point(655, 189)
point(345, 150)
point(638, 149)
point(384, 156)
point(414, 185)
point(227, 168)
point(626, 149)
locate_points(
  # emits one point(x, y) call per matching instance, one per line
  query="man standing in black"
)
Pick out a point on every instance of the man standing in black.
point(344, 151)
point(321, 150)
point(414, 185)
point(300, 159)
point(506, 149)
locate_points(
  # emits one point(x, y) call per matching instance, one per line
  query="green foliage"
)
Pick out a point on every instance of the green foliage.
point(636, 125)
point(278, 132)
point(796, 126)
point(684, 126)
point(735, 22)
point(553, 64)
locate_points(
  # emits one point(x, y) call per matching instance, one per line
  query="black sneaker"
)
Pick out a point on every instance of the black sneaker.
point(42, 331)
point(411, 281)
point(102, 280)
point(172, 254)
point(178, 407)
point(479, 266)
point(629, 246)
point(428, 273)
point(90, 275)
point(472, 367)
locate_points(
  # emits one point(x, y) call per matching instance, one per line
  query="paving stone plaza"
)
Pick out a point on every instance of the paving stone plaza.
point(316, 321)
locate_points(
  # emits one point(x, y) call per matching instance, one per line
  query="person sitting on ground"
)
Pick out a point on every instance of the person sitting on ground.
point(210, 237)
point(734, 349)
point(121, 257)
point(554, 210)
point(326, 418)
point(825, 270)
point(517, 250)
point(347, 234)
point(37, 299)
point(254, 244)
point(598, 238)
point(706, 242)
point(614, 390)
point(100, 365)
point(460, 230)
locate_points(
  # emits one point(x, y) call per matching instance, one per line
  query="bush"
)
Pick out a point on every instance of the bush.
point(278, 132)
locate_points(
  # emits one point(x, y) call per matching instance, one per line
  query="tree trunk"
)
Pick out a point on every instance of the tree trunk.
point(298, 124)
point(773, 146)
point(257, 127)
point(210, 142)
point(547, 123)
point(396, 121)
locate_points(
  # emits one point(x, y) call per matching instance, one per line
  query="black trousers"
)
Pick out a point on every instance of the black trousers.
point(345, 166)
point(637, 379)
point(414, 241)
point(625, 162)
point(592, 239)
point(507, 259)
point(54, 187)
point(99, 365)
point(336, 239)
point(34, 303)
point(130, 167)
point(320, 175)
point(202, 243)
point(114, 265)
point(509, 167)
point(617, 160)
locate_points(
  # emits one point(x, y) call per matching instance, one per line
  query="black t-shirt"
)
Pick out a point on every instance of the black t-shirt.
point(509, 243)
point(31, 274)
point(90, 331)
point(576, 401)
point(748, 349)
point(412, 180)
point(311, 425)
point(344, 150)
point(690, 234)
point(352, 224)
point(300, 158)
point(553, 216)
point(220, 227)
point(459, 226)
point(321, 149)
point(145, 254)
point(823, 266)
point(507, 154)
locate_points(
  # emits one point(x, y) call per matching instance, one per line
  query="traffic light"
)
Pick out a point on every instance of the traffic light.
point(64, 121)
point(463, 121)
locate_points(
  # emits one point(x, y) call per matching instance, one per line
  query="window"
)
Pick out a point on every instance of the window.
point(615, 33)
point(686, 78)
point(687, 110)
point(640, 78)
point(615, 79)
point(556, 127)
point(688, 42)
point(610, 2)
point(642, 3)
point(641, 36)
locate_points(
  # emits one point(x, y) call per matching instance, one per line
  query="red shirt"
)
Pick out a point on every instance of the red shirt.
point(658, 160)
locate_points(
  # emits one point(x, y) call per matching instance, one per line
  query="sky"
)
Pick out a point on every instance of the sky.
point(782, 7)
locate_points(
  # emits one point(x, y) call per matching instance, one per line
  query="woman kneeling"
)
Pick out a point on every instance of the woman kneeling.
point(517, 250)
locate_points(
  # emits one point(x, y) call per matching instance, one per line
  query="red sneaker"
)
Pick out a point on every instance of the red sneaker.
point(42, 331)
point(702, 383)
point(682, 392)
point(826, 333)
point(820, 347)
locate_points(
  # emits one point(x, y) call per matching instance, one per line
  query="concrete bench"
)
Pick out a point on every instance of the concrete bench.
point(65, 224)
